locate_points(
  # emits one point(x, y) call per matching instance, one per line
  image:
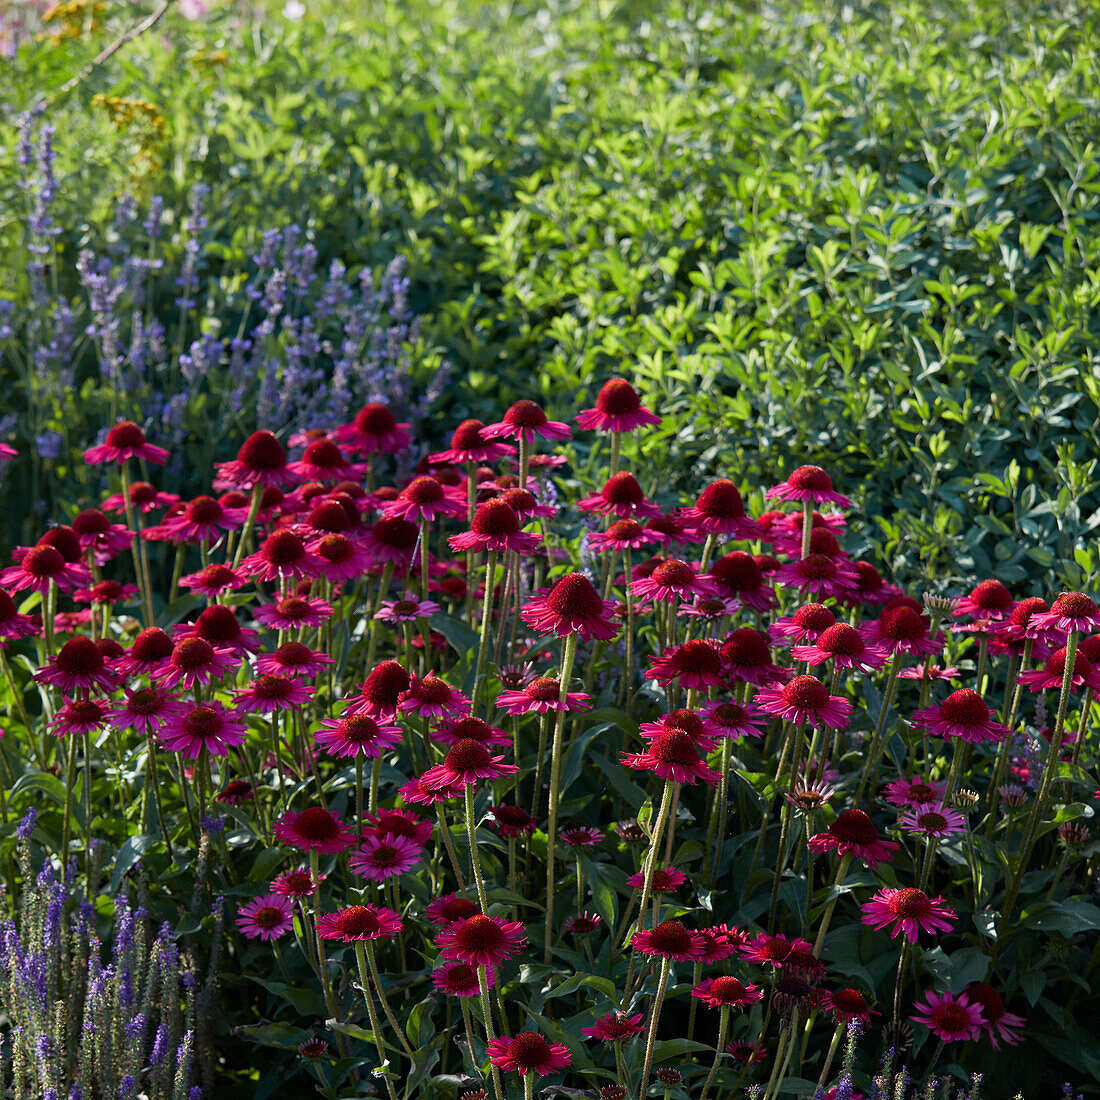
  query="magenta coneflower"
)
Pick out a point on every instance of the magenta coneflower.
point(748, 658)
point(950, 1017)
point(407, 610)
point(459, 979)
point(125, 441)
point(293, 613)
point(805, 699)
point(726, 992)
point(314, 829)
point(934, 821)
point(572, 606)
point(467, 727)
point(218, 625)
point(822, 541)
point(673, 580)
point(431, 697)
point(854, 832)
point(929, 672)
point(581, 836)
point(511, 821)
point(1070, 611)
point(145, 709)
point(525, 420)
point(260, 461)
point(539, 697)
point(356, 735)
point(381, 690)
point(847, 1005)
point(910, 911)
point(622, 496)
point(282, 554)
point(820, 574)
point(1053, 672)
point(323, 461)
point(618, 409)
point(99, 535)
point(78, 666)
point(709, 608)
point(583, 923)
point(844, 646)
point(735, 720)
point(962, 714)
point(807, 624)
point(914, 792)
point(374, 429)
point(695, 664)
point(267, 917)
point(669, 529)
point(901, 629)
point(526, 505)
point(213, 580)
point(393, 541)
point(721, 941)
point(768, 950)
point(143, 497)
point(701, 731)
point(670, 940)
point(873, 591)
point(202, 520)
point(719, 510)
point(808, 483)
point(359, 923)
point(496, 526)
point(468, 444)
point(272, 692)
point(615, 1027)
point(293, 659)
point(674, 756)
point(403, 823)
point(738, 575)
point(148, 651)
point(194, 661)
point(465, 763)
point(298, 883)
point(206, 726)
point(422, 500)
point(236, 792)
point(1011, 634)
point(80, 716)
point(623, 534)
point(988, 600)
point(996, 1023)
point(39, 566)
point(341, 558)
point(481, 940)
point(380, 858)
point(527, 1053)
point(446, 910)
point(664, 881)
point(12, 624)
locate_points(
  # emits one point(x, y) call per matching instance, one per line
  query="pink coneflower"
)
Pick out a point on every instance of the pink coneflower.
point(294, 613)
point(453, 730)
point(673, 580)
point(431, 697)
point(622, 496)
point(738, 576)
point(572, 606)
point(422, 500)
point(937, 821)
point(541, 696)
point(748, 659)
point(282, 554)
point(298, 883)
point(806, 699)
point(962, 714)
point(293, 659)
point(80, 716)
point(144, 498)
point(356, 735)
point(820, 574)
point(218, 625)
point(341, 559)
point(807, 624)
point(145, 709)
point(808, 483)
point(623, 534)
point(996, 1023)
point(615, 1027)
point(901, 629)
point(583, 923)
point(709, 608)
point(194, 661)
point(330, 517)
point(695, 664)
point(202, 520)
point(910, 911)
point(148, 651)
point(847, 1005)
point(407, 610)
point(949, 1016)
point(988, 600)
point(664, 880)
point(674, 756)
point(393, 541)
point(206, 726)
point(459, 979)
point(273, 692)
point(402, 823)
point(702, 733)
point(670, 940)
point(746, 1052)
point(669, 529)
point(512, 821)
point(1070, 611)
point(7, 452)
point(381, 690)
point(719, 510)
point(915, 792)
point(38, 566)
point(526, 505)
point(450, 908)
point(872, 590)
point(1053, 672)
point(525, 420)
point(768, 950)
point(213, 580)
point(267, 917)
point(496, 526)
point(323, 461)
point(96, 533)
point(618, 409)
point(468, 444)
point(735, 720)
point(822, 541)
point(261, 460)
point(481, 940)
point(374, 429)
point(527, 1053)
point(854, 832)
point(381, 858)
point(359, 923)
point(125, 441)
point(314, 829)
point(929, 672)
point(581, 836)
point(721, 941)
point(844, 646)
point(78, 666)
point(236, 792)
point(12, 624)
point(465, 763)
point(726, 992)
point(1011, 634)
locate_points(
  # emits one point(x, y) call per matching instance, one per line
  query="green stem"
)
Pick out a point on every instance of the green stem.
point(651, 1035)
point(364, 982)
point(723, 1024)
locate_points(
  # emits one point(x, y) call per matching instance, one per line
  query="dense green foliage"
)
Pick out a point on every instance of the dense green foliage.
point(857, 235)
